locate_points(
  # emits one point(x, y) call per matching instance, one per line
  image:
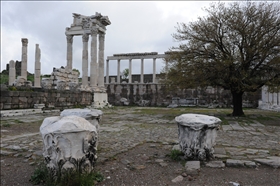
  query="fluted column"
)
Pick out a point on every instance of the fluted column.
point(69, 55)
point(101, 60)
point(142, 71)
point(85, 60)
point(107, 71)
point(166, 69)
point(24, 58)
point(37, 73)
point(93, 62)
point(154, 70)
point(12, 72)
point(130, 72)
point(118, 71)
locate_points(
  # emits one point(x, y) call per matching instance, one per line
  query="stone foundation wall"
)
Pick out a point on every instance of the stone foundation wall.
point(157, 95)
point(51, 99)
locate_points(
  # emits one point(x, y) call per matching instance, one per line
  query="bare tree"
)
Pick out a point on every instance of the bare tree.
point(236, 46)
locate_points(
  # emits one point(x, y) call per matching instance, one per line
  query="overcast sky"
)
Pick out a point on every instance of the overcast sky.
point(135, 27)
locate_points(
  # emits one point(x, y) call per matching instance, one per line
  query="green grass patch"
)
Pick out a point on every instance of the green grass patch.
point(176, 155)
point(43, 176)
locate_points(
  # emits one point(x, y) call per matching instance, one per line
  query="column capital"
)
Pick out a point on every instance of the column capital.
point(101, 35)
point(24, 41)
point(94, 32)
point(69, 38)
point(85, 37)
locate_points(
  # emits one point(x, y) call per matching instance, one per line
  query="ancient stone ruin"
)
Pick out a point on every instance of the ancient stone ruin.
point(197, 134)
point(70, 140)
point(93, 26)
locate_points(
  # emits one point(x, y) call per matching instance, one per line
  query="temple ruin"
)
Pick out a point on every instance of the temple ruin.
point(93, 26)
point(130, 56)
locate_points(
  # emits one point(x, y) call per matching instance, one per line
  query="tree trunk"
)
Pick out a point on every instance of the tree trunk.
point(237, 103)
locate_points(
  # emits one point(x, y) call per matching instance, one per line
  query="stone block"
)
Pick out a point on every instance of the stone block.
point(22, 94)
point(15, 100)
point(215, 164)
point(7, 106)
point(14, 93)
point(192, 167)
point(234, 163)
point(15, 106)
point(22, 100)
point(5, 93)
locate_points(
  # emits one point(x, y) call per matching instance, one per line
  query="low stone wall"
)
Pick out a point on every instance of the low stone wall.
point(51, 99)
point(156, 95)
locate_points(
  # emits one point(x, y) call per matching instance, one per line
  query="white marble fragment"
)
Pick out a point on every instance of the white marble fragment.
point(197, 134)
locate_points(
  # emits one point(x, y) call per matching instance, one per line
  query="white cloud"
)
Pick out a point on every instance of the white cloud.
point(136, 27)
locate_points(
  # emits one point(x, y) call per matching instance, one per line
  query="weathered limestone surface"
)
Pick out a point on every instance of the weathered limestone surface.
point(85, 60)
point(197, 134)
point(69, 143)
point(92, 115)
point(64, 75)
point(24, 57)
point(12, 72)
point(37, 74)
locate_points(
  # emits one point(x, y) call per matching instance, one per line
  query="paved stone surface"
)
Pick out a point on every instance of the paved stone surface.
point(123, 129)
point(192, 167)
point(215, 164)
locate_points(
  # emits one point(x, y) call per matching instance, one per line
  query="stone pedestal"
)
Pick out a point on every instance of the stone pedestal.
point(12, 72)
point(37, 73)
point(100, 99)
point(69, 143)
point(24, 58)
point(197, 134)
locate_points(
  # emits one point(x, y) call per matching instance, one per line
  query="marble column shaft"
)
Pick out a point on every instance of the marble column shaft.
point(24, 58)
point(101, 60)
point(85, 60)
point(142, 71)
point(118, 71)
point(93, 62)
point(154, 70)
point(12, 72)
point(107, 71)
point(37, 74)
point(69, 55)
point(166, 69)
point(130, 72)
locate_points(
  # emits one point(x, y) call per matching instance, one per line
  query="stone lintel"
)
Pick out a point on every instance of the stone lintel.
point(136, 57)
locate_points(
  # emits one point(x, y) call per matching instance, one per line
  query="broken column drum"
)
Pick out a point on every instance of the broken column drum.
point(197, 134)
point(69, 144)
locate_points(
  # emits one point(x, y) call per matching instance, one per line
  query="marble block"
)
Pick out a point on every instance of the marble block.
point(92, 115)
point(69, 143)
point(197, 134)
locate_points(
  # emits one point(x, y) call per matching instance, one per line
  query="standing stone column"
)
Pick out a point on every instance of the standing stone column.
point(130, 72)
point(85, 61)
point(118, 71)
point(37, 74)
point(166, 69)
point(154, 70)
point(101, 60)
point(24, 58)
point(93, 62)
point(107, 71)
point(12, 72)
point(69, 55)
point(142, 71)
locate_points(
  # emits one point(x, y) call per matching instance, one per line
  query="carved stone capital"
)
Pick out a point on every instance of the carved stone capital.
point(101, 35)
point(24, 41)
point(69, 38)
point(85, 37)
point(94, 32)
